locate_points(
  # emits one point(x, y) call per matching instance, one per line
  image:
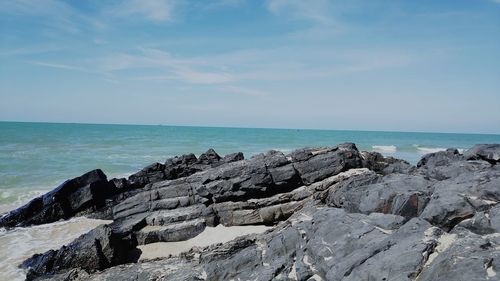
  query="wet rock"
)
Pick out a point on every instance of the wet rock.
point(96, 250)
point(76, 196)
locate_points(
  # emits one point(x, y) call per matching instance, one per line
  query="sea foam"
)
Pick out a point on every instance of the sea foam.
point(20, 243)
point(425, 150)
point(385, 148)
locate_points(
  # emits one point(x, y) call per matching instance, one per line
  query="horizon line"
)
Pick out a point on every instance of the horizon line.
point(244, 127)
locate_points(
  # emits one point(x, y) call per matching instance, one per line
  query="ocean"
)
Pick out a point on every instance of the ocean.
point(36, 157)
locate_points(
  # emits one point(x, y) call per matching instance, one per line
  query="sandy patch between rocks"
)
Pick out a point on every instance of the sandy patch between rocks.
point(211, 235)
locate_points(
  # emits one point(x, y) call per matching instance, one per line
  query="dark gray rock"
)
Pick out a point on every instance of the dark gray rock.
point(316, 164)
point(440, 158)
point(338, 214)
point(96, 250)
point(76, 196)
point(384, 165)
point(233, 157)
point(208, 158)
point(463, 255)
point(172, 232)
point(458, 198)
point(487, 152)
point(398, 194)
point(448, 164)
point(306, 247)
point(152, 173)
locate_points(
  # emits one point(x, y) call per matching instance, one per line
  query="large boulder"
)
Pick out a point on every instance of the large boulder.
point(80, 195)
point(399, 194)
point(487, 152)
point(384, 165)
point(315, 164)
point(459, 198)
point(96, 250)
point(179, 167)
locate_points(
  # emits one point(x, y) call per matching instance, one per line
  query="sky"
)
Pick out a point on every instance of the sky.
point(389, 65)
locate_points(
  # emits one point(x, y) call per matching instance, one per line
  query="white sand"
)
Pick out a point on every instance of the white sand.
point(211, 235)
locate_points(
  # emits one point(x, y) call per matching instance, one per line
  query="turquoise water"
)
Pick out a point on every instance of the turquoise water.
point(35, 157)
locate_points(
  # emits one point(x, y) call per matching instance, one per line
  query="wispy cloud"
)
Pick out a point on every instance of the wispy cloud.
point(242, 91)
point(57, 15)
point(279, 64)
point(154, 10)
point(314, 10)
point(102, 75)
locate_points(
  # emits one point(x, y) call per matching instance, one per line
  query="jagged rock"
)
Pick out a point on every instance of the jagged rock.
point(487, 152)
point(79, 195)
point(317, 164)
point(384, 165)
point(170, 233)
point(96, 250)
point(333, 219)
point(440, 158)
point(459, 198)
point(180, 166)
point(398, 194)
point(315, 244)
point(233, 157)
point(152, 173)
point(448, 164)
point(209, 157)
point(463, 255)
point(483, 222)
point(92, 195)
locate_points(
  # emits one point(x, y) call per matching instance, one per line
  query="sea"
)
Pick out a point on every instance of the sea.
point(36, 157)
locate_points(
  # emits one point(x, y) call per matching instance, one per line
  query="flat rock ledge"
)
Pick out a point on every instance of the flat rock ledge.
point(335, 214)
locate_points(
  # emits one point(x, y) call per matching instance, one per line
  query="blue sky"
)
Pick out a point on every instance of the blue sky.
point(361, 64)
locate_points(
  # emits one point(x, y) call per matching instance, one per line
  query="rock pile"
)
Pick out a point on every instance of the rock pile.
point(338, 214)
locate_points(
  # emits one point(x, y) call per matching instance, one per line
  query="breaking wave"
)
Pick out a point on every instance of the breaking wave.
point(385, 148)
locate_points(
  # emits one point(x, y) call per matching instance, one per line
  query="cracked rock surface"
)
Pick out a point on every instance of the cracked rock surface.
point(337, 214)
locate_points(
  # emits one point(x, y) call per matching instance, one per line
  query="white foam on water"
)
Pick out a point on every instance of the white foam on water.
point(21, 196)
point(20, 243)
point(425, 150)
point(384, 148)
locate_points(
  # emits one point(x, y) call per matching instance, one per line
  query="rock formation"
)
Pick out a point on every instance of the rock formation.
point(337, 214)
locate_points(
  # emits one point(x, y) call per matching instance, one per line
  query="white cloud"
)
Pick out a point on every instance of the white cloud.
point(258, 65)
point(51, 13)
point(199, 77)
point(154, 10)
point(314, 10)
point(242, 91)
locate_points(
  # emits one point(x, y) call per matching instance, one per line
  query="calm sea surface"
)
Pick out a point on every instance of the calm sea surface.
point(36, 157)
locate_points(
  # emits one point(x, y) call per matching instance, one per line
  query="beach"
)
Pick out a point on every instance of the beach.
point(36, 158)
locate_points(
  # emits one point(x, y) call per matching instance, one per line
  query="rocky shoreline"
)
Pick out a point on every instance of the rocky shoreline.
point(337, 214)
